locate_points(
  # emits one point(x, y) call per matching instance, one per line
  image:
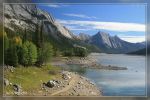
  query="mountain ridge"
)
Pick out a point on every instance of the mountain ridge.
point(27, 17)
point(144, 51)
point(21, 17)
point(113, 44)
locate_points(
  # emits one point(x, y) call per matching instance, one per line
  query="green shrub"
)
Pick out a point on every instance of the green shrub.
point(45, 53)
point(81, 52)
point(76, 51)
point(68, 52)
point(28, 53)
point(56, 52)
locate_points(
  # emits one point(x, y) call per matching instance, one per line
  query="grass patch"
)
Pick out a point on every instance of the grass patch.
point(30, 78)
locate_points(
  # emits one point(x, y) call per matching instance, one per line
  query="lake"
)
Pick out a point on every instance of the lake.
point(131, 82)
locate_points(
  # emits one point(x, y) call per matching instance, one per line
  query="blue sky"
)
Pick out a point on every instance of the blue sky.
point(125, 21)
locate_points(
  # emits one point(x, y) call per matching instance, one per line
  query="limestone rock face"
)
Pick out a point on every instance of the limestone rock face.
point(27, 16)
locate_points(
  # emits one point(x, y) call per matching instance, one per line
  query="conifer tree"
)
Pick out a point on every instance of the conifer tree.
point(11, 57)
point(29, 54)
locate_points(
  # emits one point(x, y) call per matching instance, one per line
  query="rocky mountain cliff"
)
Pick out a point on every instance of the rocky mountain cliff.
point(27, 16)
point(113, 44)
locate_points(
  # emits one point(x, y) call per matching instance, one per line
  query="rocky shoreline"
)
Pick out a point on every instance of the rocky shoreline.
point(85, 62)
point(69, 84)
point(77, 85)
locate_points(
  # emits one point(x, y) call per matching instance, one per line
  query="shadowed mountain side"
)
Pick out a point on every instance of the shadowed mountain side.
point(141, 51)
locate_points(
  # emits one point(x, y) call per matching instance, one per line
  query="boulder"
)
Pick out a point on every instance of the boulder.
point(51, 83)
point(43, 86)
point(10, 68)
point(17, 88)
point(57, 81)
point(6, 82)
point(66, 76)
point(80, 82)
point(17, 93)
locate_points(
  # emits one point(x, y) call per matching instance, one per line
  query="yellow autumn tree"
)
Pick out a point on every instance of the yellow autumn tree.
point(17, 40)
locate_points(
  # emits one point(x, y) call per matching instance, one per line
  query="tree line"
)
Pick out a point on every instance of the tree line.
point(28, 49)
point(76, 51)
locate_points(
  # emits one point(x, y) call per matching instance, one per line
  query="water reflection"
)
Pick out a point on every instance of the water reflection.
point(129, 82)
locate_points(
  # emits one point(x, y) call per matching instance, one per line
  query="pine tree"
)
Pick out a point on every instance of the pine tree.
point(25, 37)
point(32, 54)
point(41, 34)
point(6, 42)
point(11, 57)
point(56, 52)
point(79, 51)
point(24, 55)
point(37, 35)
point(44, 54)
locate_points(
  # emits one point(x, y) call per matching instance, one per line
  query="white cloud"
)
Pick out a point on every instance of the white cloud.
point(52, 5)
point(133, 39)
point(75, 28)
point(111, 26)
point(80, 16)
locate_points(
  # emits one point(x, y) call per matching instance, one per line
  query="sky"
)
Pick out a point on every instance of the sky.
point(127, 21)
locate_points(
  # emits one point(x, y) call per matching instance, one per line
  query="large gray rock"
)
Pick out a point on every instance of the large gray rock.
point(6, 82)
point(51, 83)
point(10, 68)
point(17, 88)
point(66, 76)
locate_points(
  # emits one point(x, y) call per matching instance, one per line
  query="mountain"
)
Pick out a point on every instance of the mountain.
point(141, 51)
point(27, 17)
point(144, 43)
point(113, 44)
point(21, 17)
point(83, 36)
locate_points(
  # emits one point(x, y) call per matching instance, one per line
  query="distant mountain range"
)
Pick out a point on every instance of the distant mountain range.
point(83, 36)
point(141, 51)
point(113, 44)
point(26, 17)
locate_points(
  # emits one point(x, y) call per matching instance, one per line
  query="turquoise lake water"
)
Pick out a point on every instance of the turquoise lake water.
point(131, 82)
